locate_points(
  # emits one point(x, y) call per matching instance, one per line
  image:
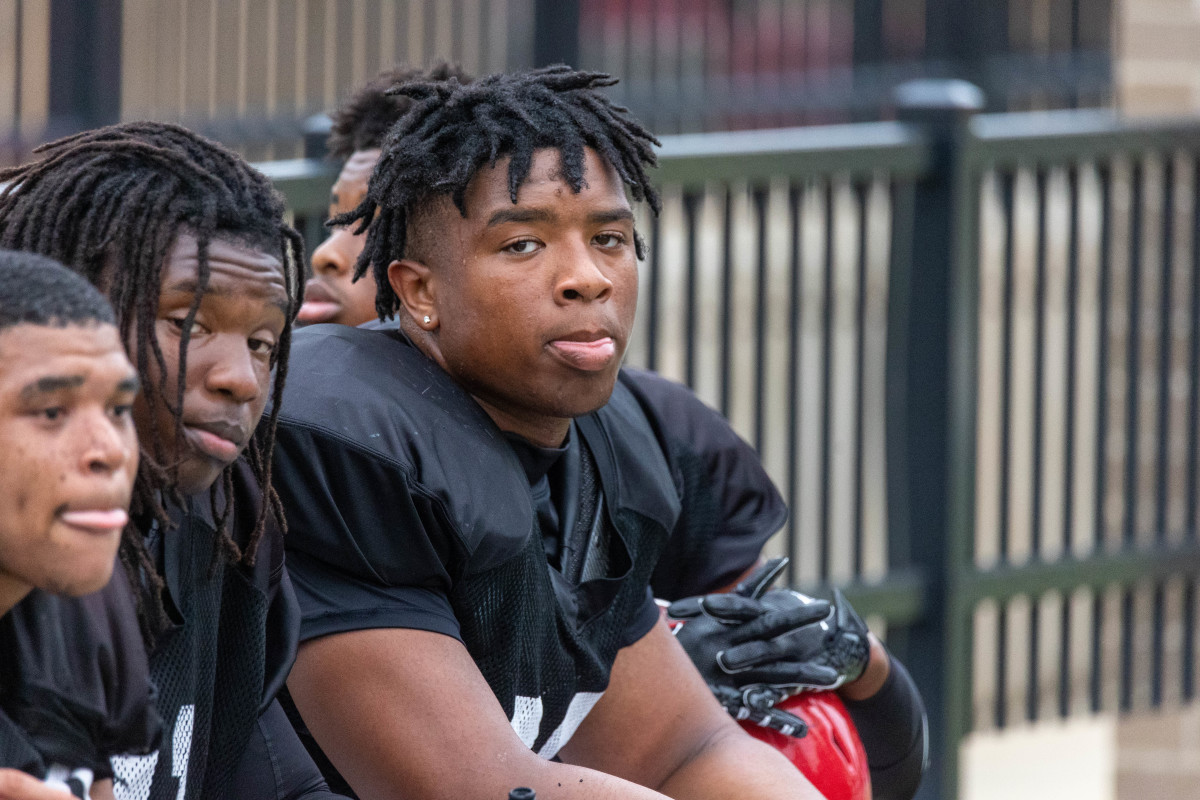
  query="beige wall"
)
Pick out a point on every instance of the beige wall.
point(1158, 56)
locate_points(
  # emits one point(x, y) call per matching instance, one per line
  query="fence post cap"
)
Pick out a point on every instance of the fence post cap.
point(316, 130)
point(939, 93)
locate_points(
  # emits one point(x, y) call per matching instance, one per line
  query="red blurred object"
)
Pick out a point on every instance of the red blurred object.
point(831, 755)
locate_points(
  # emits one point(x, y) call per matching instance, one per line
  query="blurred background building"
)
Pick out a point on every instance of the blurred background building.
point(248, 71)
point(772, 289)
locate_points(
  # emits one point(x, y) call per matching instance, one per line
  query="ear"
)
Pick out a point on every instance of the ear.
point(414, 284)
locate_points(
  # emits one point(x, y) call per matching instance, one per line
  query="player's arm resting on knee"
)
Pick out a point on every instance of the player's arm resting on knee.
point(419, 720)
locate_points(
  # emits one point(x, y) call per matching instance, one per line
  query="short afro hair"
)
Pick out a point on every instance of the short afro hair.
point(35, 290)
point(363, 120)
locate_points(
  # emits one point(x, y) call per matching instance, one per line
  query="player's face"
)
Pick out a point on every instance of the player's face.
point(535, 300)
point(332, 294)
point(237, 328)
point(70, 457)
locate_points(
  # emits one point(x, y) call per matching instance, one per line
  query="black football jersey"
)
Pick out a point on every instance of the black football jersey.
point(730, 505)
point(407, 507)
point(222, 660)
point(74, 688)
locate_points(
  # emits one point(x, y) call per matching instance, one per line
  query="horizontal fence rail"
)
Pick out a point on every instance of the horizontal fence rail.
point(967, 348)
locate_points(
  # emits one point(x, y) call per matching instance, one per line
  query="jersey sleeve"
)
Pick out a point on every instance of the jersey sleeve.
point(366, 547)
point(730, 506)
point(76, 677)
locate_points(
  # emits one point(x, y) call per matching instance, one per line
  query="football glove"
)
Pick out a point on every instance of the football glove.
point(772, 642)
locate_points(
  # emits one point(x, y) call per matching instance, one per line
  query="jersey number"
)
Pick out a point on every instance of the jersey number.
point(133, 776)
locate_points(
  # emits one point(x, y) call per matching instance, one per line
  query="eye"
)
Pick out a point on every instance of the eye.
point(523, 247)
point(122, 411)
point(180, 323)
point(609, 241)
point(261, 346)
point(52, 414)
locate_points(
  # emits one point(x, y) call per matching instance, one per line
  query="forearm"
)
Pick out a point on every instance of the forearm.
point(892, 726)
point(733, 764)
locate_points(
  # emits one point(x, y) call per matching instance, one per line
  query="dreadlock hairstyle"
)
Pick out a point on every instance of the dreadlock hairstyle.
point(363, 120)
point(109, 203)
point(453, 129)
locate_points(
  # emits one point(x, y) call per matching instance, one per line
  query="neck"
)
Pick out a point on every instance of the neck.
point(12, 591)
point(542, 431)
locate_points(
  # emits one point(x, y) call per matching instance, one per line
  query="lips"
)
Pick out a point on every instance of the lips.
point(219, 440)
point(320, 305)
point(590, 351)
point(96, 520)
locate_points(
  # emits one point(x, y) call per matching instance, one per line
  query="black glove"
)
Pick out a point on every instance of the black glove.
point(778, 640)
point(757, 704)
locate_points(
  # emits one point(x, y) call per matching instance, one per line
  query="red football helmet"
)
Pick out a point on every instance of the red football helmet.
point(831, 755)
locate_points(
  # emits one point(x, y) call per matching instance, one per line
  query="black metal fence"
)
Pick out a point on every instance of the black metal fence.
point(967, 347)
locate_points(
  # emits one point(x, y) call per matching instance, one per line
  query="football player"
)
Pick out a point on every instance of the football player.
point(74, 688)
point(190, 244)
point(475, 504)
point(731, 507)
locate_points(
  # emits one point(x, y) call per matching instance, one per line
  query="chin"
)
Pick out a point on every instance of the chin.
point(589, 396)
point(198, 478)
point(86, 581)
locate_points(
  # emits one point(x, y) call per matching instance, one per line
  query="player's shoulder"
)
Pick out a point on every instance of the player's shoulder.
point(371, 410)
point(76, 672)
point(674, 408)
point(370, 387)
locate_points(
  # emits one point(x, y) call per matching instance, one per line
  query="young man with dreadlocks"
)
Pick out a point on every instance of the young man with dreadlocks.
point(191, 246)
point(730, 505)
point(74, 688)
point(476, 529)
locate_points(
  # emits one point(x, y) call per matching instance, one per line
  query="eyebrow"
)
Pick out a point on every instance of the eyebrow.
point(49, 385)
point(191, 286)
point(57, 383)
point(542, 215)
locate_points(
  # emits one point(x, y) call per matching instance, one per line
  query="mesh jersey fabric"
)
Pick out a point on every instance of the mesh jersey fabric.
point(74, 678)
point(408, 508)
point(730, 505)
point(221, 662)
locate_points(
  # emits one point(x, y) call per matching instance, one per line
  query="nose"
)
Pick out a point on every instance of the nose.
point(332, 256)
point(234, 371)
point(110, 444)
point(583, 278)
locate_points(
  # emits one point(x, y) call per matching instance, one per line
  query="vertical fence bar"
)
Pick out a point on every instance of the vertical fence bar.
point(1039, 375)
point(726, 299)
point(1068, 516)
point(760, 319)
point(85, 64)
point(827, 383)
point(691, 200)
point(653, 292)
point(932, 352)
point(861, 196)
point(1133, 356)
point(1007, 191)
point(1104, 299)
point(795, 309)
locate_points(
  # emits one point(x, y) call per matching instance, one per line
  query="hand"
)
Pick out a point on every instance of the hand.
point(16, 785)
point(757, 704)
point(766, 643)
